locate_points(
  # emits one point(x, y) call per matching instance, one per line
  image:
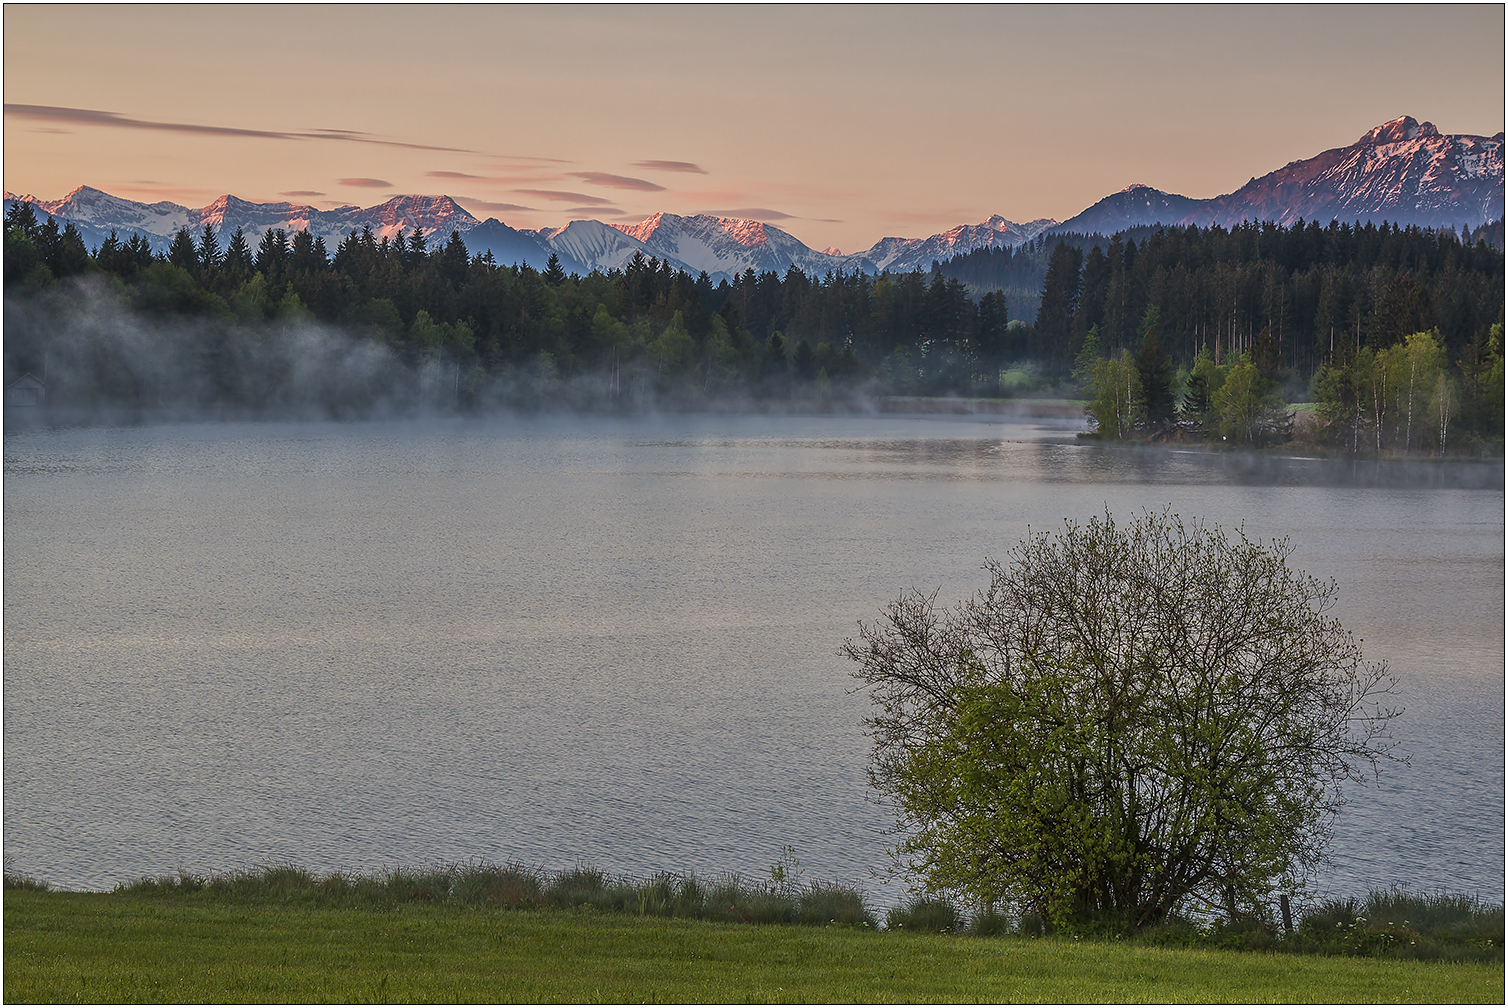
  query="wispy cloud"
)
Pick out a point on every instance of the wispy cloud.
point(755, 213)
point(365, 183)
point(451, 174)
point(301, 192)
point(675, 166)
point(564, 197)
point(95, 117)
point(160, 190)
point(616, 181)
point(487, 205)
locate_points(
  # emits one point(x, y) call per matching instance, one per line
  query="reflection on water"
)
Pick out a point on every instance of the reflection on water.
point(364, 645)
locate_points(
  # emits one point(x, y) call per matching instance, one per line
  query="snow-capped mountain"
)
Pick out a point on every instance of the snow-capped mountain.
point(728, 245)
point(1403, 171)
point(599, 246)
point(905, 254)
point(97, 213)
point(722, 246)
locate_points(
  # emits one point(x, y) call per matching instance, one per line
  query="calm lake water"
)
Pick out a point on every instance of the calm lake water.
point(360, 646)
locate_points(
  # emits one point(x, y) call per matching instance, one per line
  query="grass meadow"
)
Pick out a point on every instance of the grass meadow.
point(505, 933)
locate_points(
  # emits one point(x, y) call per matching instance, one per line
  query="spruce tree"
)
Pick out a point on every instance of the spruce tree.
point(238, 261)
point(183, 253)
point(554, 275)
point(1155, 369)
point(210, 258)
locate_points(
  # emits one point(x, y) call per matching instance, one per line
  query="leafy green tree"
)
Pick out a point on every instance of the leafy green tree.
point(673, 351)
point(1130, 721)
point(1247, 411)
point(1339, 401)
point(1419, 371)
point(1115, 396)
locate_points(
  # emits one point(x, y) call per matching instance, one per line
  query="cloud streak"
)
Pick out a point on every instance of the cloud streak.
point(468, 202)
point(755, 213)
point(365, 183)
point(557, 196)
point(616, 181)
point(95, 117)
point(675, 166)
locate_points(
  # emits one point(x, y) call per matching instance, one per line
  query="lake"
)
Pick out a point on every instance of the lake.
point(614, 642)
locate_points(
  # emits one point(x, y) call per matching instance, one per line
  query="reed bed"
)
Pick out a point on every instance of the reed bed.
point(726, 898)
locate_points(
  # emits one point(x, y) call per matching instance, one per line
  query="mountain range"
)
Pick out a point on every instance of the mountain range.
point(1404, 171)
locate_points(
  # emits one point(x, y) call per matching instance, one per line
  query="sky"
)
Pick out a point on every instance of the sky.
point(838, 124)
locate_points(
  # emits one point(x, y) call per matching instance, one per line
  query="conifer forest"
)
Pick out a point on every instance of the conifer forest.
point(1394, 335)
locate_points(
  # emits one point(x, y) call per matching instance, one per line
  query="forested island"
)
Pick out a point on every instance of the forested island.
point(1394, 334)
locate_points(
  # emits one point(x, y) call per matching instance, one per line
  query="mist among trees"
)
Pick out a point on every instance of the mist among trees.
point(285, 325)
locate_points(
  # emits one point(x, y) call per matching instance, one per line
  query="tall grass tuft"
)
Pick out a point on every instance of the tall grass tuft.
point(925, 915)
point(482, 883)
point(1397, 923)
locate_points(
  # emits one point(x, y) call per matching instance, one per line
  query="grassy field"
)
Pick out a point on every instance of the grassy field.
point(124, 947)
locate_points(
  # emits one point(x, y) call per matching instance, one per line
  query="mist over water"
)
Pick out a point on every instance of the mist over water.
point(582, 639)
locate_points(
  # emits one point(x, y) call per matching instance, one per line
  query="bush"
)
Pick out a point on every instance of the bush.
point(925, 915)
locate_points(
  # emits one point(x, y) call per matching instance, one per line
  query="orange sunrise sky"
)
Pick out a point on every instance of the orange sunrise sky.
point(839, 124)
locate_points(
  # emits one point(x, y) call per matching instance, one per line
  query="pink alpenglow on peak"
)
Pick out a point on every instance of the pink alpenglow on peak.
point(1398, 130)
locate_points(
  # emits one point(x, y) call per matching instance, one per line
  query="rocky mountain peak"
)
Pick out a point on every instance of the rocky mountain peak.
point(1398, 130)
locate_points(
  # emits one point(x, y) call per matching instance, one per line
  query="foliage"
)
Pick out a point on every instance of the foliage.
point(1404, 398)
point(430, 316)
point(1155, 370)
point(1247, 410)
point(1116, 404)
point(1129, 721)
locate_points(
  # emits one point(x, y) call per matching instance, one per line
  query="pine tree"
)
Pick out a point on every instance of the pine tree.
point(1155, 369)
point(554, 275)
point(210, 259)
point(238, 261)
point(183, 253)
point(1060, 296)
point(272, 253)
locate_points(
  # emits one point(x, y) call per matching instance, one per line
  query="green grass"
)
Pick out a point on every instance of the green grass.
point(172, 946)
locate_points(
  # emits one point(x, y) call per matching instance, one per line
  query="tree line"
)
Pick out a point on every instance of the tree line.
point(1298, 301)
